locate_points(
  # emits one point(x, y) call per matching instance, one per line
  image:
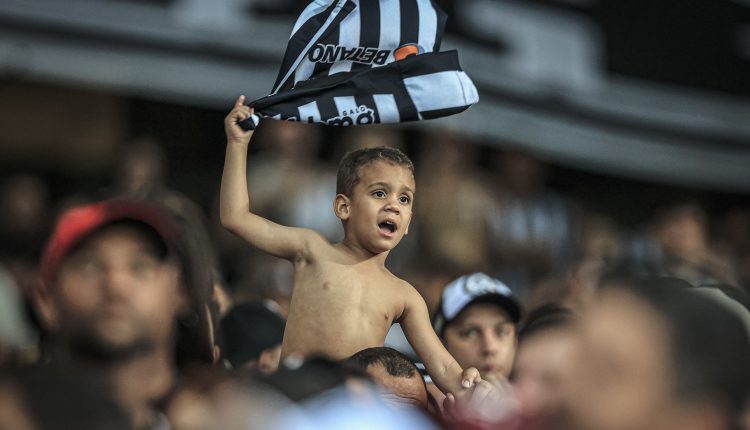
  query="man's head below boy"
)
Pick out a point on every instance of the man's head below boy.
point(374, 197)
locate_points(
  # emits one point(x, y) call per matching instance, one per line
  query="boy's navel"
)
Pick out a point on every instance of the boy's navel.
point(326, 285)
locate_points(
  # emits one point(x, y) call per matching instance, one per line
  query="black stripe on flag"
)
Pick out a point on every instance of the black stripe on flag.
point(338, 99)
point(409, 22)
point(331, 38)
point(369, 103)
point(299, 41)
point(335, 27)
point(327, 107)
point(442, 18)
point(439, 113)
point(403, 101)
point(433, 62)
point(388, 80)
point(369, 33)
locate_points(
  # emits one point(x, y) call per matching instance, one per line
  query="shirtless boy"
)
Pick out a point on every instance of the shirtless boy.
point(344, 298)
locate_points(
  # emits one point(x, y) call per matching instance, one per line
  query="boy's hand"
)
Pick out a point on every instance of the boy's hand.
point(470, 377)
point(240, 112)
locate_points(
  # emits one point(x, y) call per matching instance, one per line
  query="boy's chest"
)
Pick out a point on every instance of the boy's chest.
point(346, 288)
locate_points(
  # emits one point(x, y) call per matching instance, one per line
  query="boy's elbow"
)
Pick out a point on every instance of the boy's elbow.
point(229, 220)
point(226, 222)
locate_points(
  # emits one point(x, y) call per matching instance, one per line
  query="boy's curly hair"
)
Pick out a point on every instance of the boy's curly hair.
point(348, 173)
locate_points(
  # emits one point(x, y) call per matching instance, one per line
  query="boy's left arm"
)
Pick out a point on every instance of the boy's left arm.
point(440, 364)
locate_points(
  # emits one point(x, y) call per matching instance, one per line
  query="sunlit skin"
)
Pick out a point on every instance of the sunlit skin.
point(361, 298)
point(344, 298)
point(482, 336)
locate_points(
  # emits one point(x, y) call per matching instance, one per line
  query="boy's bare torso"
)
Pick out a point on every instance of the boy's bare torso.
point(344, 299)
point(341, 306)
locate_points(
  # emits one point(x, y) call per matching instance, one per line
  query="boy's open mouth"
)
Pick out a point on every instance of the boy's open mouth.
point(387, 227)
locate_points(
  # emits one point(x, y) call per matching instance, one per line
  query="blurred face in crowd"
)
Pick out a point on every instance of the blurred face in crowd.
point(682, 231)
point(542, 364)
point(482, 336)
point(624, 378)
point(12, 412)
point(143, 166)
point(229, 404)
point(294, 141)
point(116, 293)
point(24, 200)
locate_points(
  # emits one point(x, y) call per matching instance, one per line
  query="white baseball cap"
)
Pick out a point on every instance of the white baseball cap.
point(476, 287)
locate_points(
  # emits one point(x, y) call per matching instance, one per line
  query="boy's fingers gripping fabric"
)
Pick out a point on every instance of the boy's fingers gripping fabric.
point(249, 123)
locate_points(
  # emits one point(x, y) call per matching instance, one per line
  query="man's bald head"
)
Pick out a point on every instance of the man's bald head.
point(395, 373)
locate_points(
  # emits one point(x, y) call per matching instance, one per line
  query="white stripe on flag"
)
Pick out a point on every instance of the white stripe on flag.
point(471, 96)
point(314, 8)
point(390, 26)
point(349, 30)
point(309, 112)
point(452, 85)
point(387, 108)
point(345, 105)
point(304, 70)
point(427, 25)
point(331, 17)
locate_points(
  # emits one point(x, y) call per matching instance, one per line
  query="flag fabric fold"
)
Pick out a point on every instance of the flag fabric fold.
point(352, 62)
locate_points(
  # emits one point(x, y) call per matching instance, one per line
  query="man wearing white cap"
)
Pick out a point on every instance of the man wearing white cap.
point(476, 320)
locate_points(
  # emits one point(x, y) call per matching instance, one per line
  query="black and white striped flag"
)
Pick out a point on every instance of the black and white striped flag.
point(351, 62)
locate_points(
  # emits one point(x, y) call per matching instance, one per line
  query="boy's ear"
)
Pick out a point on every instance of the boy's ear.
point(341, 206)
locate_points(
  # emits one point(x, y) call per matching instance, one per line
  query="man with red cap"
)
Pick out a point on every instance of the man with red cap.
point(113, 291)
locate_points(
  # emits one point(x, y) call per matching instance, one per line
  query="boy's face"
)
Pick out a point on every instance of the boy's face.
point(380, 208)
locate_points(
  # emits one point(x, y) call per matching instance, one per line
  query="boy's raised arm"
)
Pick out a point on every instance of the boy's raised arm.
point(285, 242)
point(440, 364)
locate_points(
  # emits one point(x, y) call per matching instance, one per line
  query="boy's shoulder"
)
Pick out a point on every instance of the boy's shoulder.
point(402, 287)
point(402, 282)
point(316, 247)
point(393, 279)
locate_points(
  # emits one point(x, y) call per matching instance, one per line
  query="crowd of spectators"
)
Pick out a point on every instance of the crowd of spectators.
point(579, 322)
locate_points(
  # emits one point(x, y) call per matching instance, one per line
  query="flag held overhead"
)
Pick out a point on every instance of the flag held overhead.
point(352, 62)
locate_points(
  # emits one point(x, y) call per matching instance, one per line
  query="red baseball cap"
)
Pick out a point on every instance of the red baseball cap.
point(78, 223)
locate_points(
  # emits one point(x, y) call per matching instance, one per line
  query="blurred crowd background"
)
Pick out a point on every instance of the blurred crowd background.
point(608, 134)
